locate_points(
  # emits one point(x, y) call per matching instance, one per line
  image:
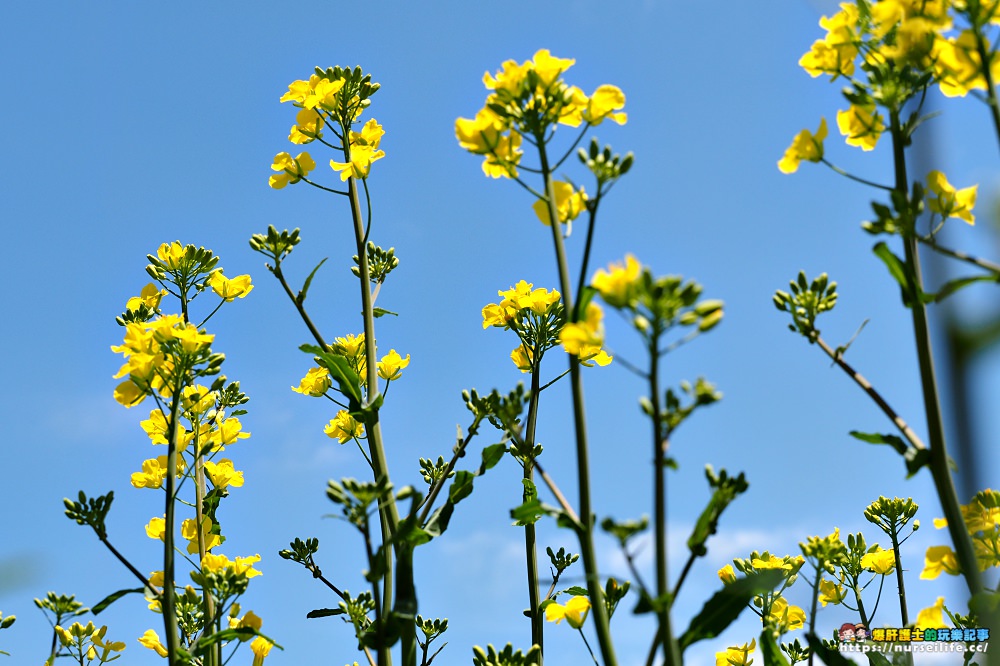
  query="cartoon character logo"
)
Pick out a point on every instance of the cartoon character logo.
point(846, 632)
point(861, 632)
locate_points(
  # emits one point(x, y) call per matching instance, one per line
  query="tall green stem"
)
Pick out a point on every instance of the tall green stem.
point(169, 600)
point(530, 547)
point(586, 531)
point(943, 482)
point(388, 514)
point(671, 651)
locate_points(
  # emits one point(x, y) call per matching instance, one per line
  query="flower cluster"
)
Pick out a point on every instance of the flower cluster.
point(165, 357)
point(982, 520)
point(346, 426)
point(531, 99)
point(330, 100)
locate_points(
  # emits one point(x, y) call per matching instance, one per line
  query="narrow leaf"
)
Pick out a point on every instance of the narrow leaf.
point(829, 656)
point(381, 312)
point(897, 269)
point(726, 605)
point(324, 612)
point(300, 299)
point(112, 598)
point(769, 648)
point(492, 455)
point(894, 441)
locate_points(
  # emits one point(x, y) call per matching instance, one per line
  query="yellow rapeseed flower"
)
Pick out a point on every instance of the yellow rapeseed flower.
point(574, 612)
point(862, 125)
point(805, 146)
point(949, 201)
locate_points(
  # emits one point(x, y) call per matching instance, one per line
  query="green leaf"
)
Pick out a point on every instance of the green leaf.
point(915, 460)
point(897, 269)
point(300, 299)
point(112, 598)
point(341, 372)
point(769, 648)
point(876, 659)
point(894, 441)
point(830, 657)
point(726, 605)
point(492, 455)
point(461, 486)
point(438, 521)
point(949, 288)
point(381, 312)
point(324, 612)
point(528, 513)
point(576, 591)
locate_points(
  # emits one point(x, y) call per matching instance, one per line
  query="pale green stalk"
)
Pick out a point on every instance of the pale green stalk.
point(388, 515)
point(169, 599)
point(530, 548)
point(586, 530)
point(671, 650)
point(938, 463)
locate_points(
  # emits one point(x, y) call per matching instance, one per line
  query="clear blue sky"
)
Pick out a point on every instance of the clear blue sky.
point(130, 124)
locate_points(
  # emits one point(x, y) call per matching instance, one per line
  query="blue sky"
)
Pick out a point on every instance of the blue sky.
point(128, 125)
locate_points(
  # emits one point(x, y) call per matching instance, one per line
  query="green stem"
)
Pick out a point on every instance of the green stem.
point(943, 482)
point(586, 530)
point(861, 604)
point(169, 599)
point(388, 515)
point(815, 604)
point(530, 547)
point(904, 615)
point(215, 656)
point(985, 60)
point(671, 650)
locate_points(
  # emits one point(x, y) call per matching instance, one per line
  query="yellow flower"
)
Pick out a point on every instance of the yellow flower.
point(584, 339)
point(509, 77)
point(486, 135)
point(522, 358)
point(364, 151)
point(569, 203)
point(189, 531)
point(171, 254)
point(391, 365)
point(308, 127)
point(932, 617)
point(316, 382)
point(830, 592)
point(548, 67)
point(150, 296)
point(317, 91)
point(155, 528)
point(291, 170)
point(880, 561)
point(862, 125)
point(241, 566)
point(151, 640)
point(248, 621)
point(785, 616)
point(617, 284)
point(574, 612)
point(260, 647)
point(229, 289)
point(604, 103)
point(223, 475)
point(950, 202)
point(736, 655)
point(938, 559)
point(727, 575)
point(154, 471)
point(195, 400)
point(958, 67)
point(835, 53)
point(344, 427)
point(805, 146)
point(229, 432)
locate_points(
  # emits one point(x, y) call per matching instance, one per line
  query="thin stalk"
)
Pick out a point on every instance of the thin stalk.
point(530, 547)
point(298, 306)
point(388, 514)
point(984, 58)
point(591, 223)
point(903, 614)
point(903, 427)
point(671, 650)
point(586, 531)
point(861, 604)
point(943, 482)
point(215, 656)
point(815, 604)
point(169, 599)
point(958, 254)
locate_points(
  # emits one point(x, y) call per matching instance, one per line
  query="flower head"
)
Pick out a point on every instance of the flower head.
point(805, 146)
point(880, 561)
point(738, 655)
point(574, 612)
point(290, 169)
point(230, 288)
point(344, 427)
point(391, 365)
point(862, 125)
point(950, 202)
point(569, 203)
